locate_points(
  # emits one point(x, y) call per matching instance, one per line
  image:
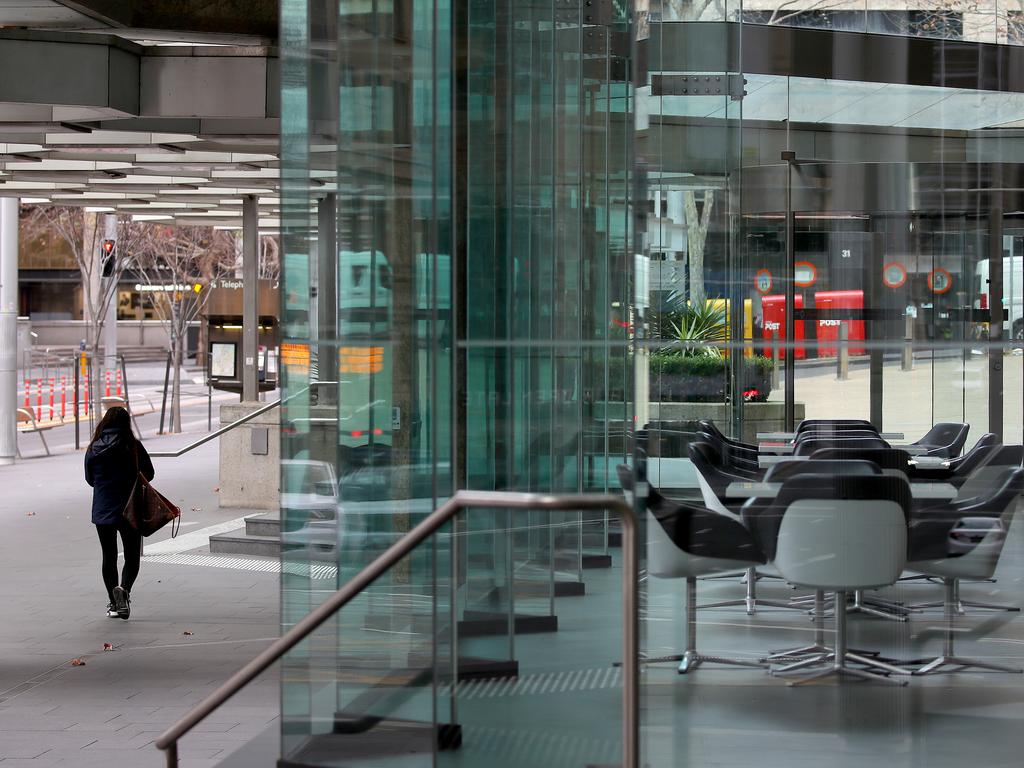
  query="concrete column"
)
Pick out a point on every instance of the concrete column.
point(250, 295)
point(8, 328)
point(327, 297)
point(110, 324)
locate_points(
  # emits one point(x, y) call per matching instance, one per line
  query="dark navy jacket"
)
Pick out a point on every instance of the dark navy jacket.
point(110, 470)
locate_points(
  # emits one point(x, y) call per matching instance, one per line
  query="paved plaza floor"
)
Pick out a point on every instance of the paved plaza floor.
point(191, 627)
point(950, 389)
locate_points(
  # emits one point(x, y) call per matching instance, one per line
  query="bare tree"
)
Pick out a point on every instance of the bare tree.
point(697, 223)
point(83, 232)
point(181, 265)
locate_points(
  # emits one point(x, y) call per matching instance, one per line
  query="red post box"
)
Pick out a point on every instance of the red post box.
point(773, 309)
point(828, 327)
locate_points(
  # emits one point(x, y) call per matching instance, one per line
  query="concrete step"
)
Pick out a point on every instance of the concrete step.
point(241, 543)
point(268, 524)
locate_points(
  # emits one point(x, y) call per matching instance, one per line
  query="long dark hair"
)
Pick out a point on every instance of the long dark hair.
point(116, 419)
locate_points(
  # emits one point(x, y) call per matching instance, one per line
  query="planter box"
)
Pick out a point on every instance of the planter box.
point(757, 417)
point(687, 388)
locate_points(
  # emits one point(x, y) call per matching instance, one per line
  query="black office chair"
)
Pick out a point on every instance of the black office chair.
point(965, 541)
point(707, 425)
point(945, 439)
point(713, 475)
point(885, 458)
point(956, 471)
point(845, 434)
point(714, 479)
point(686, 541)
point(810, 447)
point(736, 460)
point(834, 424)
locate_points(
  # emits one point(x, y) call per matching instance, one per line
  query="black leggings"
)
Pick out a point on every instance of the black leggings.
point(132, 541)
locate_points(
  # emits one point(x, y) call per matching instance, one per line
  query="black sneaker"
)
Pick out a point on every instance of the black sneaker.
point(112, 611)
point(122, 603)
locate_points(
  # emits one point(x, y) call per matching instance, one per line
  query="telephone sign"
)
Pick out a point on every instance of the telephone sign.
point(763, 280)
point(940, 280)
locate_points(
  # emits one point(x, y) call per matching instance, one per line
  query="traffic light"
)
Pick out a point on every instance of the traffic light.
point(107, 256)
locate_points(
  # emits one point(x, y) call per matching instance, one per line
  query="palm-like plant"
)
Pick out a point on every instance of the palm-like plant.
point(701, 329)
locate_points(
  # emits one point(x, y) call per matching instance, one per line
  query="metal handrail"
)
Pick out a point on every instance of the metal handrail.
point(168, 740)
point(214, 435)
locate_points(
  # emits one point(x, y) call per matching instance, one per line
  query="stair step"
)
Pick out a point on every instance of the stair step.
point(240, 543)
point(263, 525)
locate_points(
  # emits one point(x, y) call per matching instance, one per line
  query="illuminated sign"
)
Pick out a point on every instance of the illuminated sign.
point(360, 359)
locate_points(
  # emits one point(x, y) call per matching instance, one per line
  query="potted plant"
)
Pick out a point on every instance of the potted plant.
point(694, 368)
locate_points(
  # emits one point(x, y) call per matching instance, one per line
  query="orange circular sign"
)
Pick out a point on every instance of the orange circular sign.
point(940, 280)
point(805, 274)
point(894, 275)
point(763, 280)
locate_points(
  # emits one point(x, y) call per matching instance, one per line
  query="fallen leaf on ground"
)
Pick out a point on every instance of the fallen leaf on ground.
point(216, 490)
point(108, 647)
point(30, 514)
point(78, 662)
point(187, 632)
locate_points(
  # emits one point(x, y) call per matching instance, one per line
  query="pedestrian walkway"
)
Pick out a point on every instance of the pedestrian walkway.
point(191, 627)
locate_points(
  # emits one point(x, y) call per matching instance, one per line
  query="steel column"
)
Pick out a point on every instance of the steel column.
point(8, 329)
point(110, 323)
point(250, 295)
point(327, 296)
point(995, 326)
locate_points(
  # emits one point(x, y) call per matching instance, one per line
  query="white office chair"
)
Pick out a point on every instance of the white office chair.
point(841, 534)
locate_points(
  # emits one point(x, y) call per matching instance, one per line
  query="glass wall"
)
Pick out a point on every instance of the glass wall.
point(562, 247)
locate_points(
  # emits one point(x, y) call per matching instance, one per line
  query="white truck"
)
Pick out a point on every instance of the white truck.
point(1013, 290)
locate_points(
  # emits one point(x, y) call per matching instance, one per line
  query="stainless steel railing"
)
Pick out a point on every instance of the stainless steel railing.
point(462, 500)
point(214, 435)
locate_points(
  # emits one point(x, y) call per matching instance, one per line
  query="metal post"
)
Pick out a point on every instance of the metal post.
point(907, 360)
point(77, 366)
point(209, 404)
point(327, 297)
point(995, 326)
point(163, 402)
point(775, 360)
point(250, 294)
point(110, 323)
point(8, 329)
point(127, 397)
point(789, 282)
point(874, 328)
point(843, 358)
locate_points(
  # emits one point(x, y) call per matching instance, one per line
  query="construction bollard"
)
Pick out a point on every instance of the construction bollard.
point(39, 399)
point(63, 397)
point(843, 359)
point(28, 394)
point(51, 385)
point(106, 392)
point(117, 381)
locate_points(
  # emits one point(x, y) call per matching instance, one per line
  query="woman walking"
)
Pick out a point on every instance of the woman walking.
point(112, 463)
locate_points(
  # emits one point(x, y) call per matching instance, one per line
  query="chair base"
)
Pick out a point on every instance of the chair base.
point(877, 606)
point(960, 664)
point(751, 602)
point(842, 671)
point(690, 660)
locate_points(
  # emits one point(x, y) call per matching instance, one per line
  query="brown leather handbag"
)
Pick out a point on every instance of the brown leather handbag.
point(148, 510)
